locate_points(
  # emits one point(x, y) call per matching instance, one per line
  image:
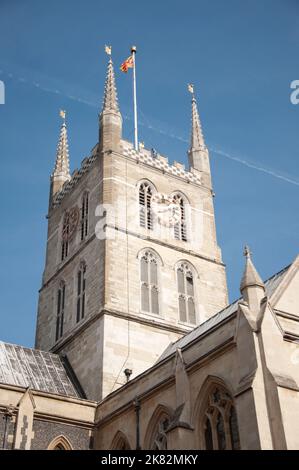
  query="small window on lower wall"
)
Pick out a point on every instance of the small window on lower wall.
point(219, 421)
point(160, 436)
point(59, 447)
point(60, 443)
point(120, 442)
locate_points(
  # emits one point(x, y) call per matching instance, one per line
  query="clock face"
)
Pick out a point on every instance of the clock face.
point(166, 210)
point(70, 223)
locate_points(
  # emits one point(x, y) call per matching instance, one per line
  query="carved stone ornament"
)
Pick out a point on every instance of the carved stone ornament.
point(166, 209)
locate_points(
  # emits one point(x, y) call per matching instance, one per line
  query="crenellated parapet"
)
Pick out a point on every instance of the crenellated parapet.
point(154, 159)
point(75, 177)
point(148, 157)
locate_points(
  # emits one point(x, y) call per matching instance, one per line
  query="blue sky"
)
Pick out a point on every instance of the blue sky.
point(241, 56)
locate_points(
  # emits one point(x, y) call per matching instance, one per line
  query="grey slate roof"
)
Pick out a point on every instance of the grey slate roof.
point(271, 284)
point(36, 369)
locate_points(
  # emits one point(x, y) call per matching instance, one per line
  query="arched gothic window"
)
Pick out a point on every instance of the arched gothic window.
point(123, 445)
point(69, 227)
point(149, 283)
point(60, 310)
point(233, 428)
point(59, 447)
point(120, 442)
point(159, 441)
point(145, 211)
point(65, 236)
point(81, 287)
point(185, 280)
point(180, 228)
point(84, 215)
point(219, 426)
point(60, 443)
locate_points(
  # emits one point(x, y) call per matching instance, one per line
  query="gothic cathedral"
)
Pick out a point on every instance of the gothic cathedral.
point(137, 345)
point(124, 278)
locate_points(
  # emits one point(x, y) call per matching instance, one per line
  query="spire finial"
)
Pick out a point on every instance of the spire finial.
point(247, 253)
point(62, 164)
point(110, 102)
point(62, 114)
point(191, 89)
point(108, 50)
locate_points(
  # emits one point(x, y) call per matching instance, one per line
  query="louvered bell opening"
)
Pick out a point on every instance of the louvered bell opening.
point(142, 216)
point(82, 229)
point(142, 208)
point(183, 223)
point(148, 210)
point(183, 232)
point(177, 231)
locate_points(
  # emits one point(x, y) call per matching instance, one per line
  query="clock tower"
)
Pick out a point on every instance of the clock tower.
point(132, 260)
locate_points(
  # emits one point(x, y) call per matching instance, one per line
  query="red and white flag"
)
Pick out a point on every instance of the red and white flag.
point(127, 64)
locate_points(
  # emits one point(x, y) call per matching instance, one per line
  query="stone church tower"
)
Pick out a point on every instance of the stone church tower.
point(132, 261)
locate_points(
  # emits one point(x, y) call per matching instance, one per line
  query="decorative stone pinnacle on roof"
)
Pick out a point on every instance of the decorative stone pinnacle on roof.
point(197, 139)
point(110, 101)
point(247, 253)
point(62, 164)
point(250, 277)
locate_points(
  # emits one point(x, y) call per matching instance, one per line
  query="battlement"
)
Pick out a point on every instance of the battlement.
point(76, 176)
point(149, 157)
point(154, 159)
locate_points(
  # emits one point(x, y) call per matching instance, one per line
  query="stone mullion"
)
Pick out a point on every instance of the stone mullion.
point(214, 430)
point(225, 416)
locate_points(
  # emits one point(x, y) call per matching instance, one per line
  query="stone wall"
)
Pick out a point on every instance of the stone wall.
point(46, 431)
point(99, 350)
point(90, 250)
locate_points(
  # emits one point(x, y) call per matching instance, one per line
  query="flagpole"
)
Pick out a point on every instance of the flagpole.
point(136, 146)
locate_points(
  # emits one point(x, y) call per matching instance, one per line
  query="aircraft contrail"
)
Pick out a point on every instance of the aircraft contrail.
point(257, 167)
point(253, 165)
point(148, 125)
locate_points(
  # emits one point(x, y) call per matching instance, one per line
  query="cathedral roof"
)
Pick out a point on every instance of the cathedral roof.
point(270, 286)
point(39, 370)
